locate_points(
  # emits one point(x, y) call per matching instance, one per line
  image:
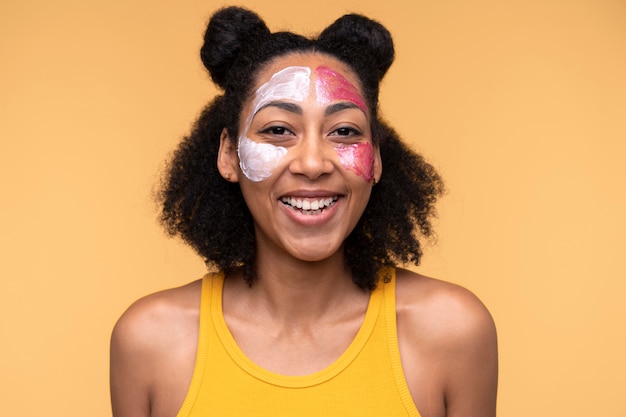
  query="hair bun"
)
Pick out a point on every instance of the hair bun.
point(358, 39)
point(230, 31)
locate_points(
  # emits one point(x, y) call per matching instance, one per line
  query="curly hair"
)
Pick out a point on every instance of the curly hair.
point(210, 214)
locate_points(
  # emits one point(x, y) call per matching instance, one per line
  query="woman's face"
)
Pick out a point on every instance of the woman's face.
point(305, 159)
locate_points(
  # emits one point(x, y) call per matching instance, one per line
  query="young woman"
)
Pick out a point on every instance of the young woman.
point(302, 201)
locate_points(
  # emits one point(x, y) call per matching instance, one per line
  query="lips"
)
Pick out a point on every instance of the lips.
point(309, 205)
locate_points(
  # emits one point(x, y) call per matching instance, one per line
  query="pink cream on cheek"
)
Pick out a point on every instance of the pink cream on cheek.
point(330, 86)
point(358, 157)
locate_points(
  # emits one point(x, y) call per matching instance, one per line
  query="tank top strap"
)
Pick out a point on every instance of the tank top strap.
point(390, 313)
point(202, 355)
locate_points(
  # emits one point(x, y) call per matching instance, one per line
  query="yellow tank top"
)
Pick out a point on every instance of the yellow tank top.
point(366, 380)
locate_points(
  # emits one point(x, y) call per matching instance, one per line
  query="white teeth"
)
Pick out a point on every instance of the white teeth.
point(309, 205)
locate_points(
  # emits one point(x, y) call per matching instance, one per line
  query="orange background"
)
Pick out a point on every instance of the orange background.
point(520, 104)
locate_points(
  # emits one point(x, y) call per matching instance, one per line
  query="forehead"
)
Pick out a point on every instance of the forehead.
point(310, 60)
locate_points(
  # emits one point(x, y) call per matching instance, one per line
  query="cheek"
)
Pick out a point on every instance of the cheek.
point(258, 160)
point(358, 158)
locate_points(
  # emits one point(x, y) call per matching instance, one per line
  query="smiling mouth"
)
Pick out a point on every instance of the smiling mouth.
point(308, 205)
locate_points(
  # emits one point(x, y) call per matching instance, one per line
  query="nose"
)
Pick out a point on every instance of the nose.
point(312, 157)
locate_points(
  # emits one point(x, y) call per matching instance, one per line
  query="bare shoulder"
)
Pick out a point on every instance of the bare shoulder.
point(158, 317)
point(445, 311)
point(447, 340)
point(153, 347)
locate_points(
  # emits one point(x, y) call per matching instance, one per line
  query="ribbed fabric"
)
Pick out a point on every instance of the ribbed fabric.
point(367, 380)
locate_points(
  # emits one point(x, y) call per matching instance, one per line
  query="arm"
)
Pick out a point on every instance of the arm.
point(153, 349)
point(472, 358)
point(131, 353)
point(448, 347)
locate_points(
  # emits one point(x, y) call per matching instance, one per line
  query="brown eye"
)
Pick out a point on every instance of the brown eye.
point(346, 131)
point(277, 130)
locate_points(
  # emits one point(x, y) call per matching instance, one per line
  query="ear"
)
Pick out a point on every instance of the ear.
point(227, 158)
point(378, 165)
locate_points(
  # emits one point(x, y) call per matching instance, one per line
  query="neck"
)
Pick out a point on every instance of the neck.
point(294, 292)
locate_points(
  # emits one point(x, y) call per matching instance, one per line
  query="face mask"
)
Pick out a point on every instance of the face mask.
point(258, 160)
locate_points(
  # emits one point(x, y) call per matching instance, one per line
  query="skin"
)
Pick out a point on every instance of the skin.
point(304, 304)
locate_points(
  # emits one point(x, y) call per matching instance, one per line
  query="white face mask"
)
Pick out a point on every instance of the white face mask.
point(257, 160)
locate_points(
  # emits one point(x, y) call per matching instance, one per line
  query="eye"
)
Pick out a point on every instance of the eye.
point(277, 131)
point(346, 131)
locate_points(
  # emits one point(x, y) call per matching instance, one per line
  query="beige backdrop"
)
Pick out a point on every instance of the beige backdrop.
point(521, 104)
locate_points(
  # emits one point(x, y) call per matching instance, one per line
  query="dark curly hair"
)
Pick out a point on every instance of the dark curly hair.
point(210, 214)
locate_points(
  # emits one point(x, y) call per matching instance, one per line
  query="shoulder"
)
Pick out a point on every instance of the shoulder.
point(153, 345)
point(151, 319)
point(447, 340)
point(445, 311)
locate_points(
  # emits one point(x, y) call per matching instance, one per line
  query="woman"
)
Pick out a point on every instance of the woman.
point(280, 188)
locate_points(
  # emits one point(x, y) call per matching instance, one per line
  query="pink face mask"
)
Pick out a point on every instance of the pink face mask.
point(359, 158)
point(332, 86)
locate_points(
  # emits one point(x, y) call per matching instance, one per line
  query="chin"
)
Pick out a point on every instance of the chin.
point(326, 252)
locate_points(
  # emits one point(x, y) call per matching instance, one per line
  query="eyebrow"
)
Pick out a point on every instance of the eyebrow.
point(290, 107)
point(337, 107)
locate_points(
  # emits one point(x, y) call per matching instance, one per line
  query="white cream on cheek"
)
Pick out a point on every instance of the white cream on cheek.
point(257, 160)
